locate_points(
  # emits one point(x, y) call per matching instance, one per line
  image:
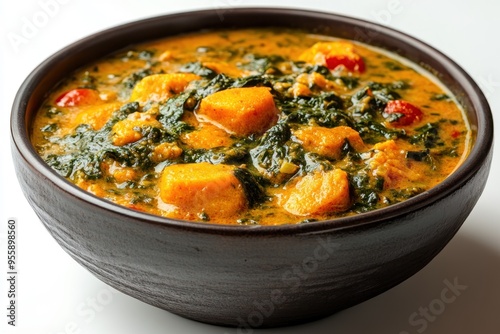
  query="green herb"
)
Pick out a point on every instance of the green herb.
point(440, 97)
point(349, 82)
point(365, 190)
point(428, 136)
point(423, 155)
point(417, 155)
point(217, 155)
point(247, 221)
point(262, 64)
point(50, 128)
point(171, 113)
point(52, 111)
point(254, 192)
point(393, 66)
point(198, 69)
point(398, 195)
point(324, 110)
point(132, 79)
point(272, 151)
point(88, 81)
point(204, 216)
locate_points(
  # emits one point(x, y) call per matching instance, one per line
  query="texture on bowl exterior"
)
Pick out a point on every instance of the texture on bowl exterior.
point(240, 275)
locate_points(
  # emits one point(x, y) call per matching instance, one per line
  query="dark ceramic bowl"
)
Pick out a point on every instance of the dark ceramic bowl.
point(239, 275)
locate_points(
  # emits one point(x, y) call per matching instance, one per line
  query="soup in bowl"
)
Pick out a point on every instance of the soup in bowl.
point(338, 168)
point(262, 126)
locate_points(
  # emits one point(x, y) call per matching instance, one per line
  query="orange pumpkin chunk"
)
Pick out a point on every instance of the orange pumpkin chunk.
point(129, 130)
point(389, 161)
point(328, 142)
point(202, 188)
point(96, 116)
point(240, 111)
point(207, 136)
point(319, 193)
point(160, 87)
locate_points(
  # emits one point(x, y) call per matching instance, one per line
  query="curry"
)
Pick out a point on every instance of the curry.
point(254, 126)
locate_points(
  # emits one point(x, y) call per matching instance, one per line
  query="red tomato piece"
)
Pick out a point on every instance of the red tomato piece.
point(78, 97)
point(335, 54)
point(455, 134)
point(135, 207)
point(353, 63)
point(409, 113)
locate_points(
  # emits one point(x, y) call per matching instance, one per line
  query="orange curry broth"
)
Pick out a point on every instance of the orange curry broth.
point(338, 183)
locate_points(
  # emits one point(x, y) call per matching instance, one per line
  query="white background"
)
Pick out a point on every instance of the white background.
point(56, 295)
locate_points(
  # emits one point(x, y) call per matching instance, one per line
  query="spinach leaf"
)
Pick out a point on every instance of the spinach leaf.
point(131, 80)
point(276, 149)
point(427, 135)
point(254, 192)
point(198, 69)
point(262, 64)
point(324, 110)
point(218, 155)
point(171, 113)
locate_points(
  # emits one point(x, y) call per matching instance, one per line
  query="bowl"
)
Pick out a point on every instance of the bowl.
point(250, 276)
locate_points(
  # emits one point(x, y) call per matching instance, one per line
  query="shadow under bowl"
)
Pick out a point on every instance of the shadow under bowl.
point(239, 275)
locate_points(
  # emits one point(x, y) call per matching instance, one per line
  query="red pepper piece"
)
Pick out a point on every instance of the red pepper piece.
point(78, 97)
point(351, 63)
point(407, 111)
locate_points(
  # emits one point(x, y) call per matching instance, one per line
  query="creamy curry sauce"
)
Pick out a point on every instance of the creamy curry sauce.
point(265, 126)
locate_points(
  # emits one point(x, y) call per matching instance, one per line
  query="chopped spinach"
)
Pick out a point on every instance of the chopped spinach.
point(132, 79)
point(86, 149)
point(365, 190)
point(440, 97)
point(393, 66)
point(272, 151)
point(52, 111)
point(253, 190)
point(50, 128)
point(262, 64)
point(324, 110)
point(218, 155)
point(276, 148)
point(88, 81)
point(349, 82)
point(417, 155)
point(198, 69)
point(427, 135)
point(424, 155)
point(398, 195)
point(323, 70)
point(171, 113)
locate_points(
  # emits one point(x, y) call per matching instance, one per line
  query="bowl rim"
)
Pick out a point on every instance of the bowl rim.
point(482, 145)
